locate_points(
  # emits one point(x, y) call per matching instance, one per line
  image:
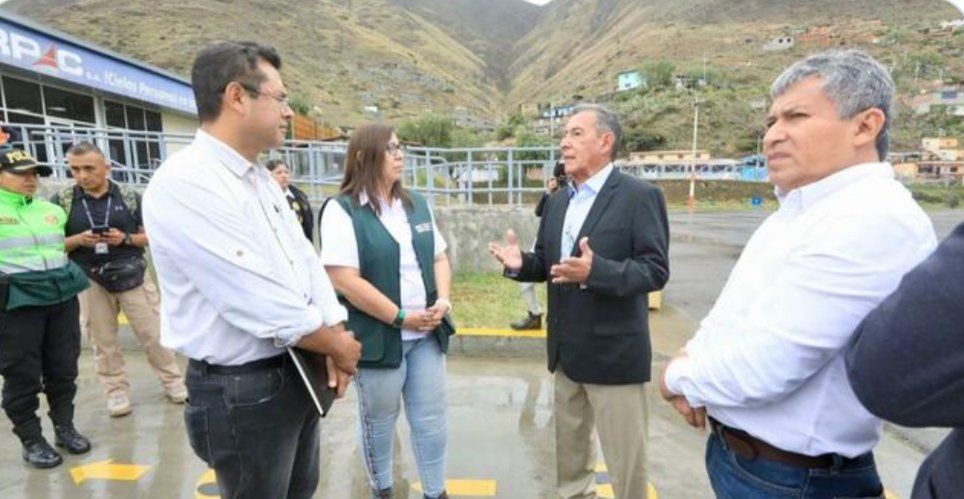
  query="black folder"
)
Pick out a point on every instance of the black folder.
point(314, 372)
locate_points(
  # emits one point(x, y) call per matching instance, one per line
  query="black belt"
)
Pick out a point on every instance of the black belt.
point(248, 367)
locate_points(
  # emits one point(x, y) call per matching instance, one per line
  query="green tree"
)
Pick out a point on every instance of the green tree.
point(299, 104)
point(639, 138)
point(510, 126)
point(431, 131)
point(525, 138)
point(659, 73)
point(464, 137)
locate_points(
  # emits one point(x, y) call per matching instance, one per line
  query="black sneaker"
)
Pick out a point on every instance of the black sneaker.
point(68, 439)
point(532, 321)
point(39, 454)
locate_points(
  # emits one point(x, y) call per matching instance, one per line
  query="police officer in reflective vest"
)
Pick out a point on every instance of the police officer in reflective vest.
point(39, 326)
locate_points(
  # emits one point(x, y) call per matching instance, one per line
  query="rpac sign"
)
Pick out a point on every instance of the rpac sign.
point(28, 49)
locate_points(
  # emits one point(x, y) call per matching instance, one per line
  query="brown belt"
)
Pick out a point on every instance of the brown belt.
point(749, 447)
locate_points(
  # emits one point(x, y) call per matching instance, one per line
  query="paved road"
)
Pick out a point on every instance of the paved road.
point(500, 412)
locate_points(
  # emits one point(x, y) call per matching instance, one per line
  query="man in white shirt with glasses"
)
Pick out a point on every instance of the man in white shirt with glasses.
point(240, 283)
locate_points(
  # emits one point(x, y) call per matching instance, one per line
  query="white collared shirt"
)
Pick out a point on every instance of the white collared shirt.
point(581, 199)
point(768, 358)
point(238, 278)
point(337, 227)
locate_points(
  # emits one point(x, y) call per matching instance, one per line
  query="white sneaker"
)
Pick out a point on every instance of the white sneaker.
point(178, 395)
point(119, 406)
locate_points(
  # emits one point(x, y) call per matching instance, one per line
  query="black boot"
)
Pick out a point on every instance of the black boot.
point(39, 454)
point(71, 441)
point(532, 321)
point(383, 494)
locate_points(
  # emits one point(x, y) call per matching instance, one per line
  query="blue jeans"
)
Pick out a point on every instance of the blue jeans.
point(734, 477)
point(257, 430)
point(420, 381)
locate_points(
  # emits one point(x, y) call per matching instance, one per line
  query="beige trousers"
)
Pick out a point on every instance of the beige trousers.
point(620, 416)
point(99, 310)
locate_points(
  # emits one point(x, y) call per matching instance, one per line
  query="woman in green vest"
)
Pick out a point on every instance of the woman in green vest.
point(39, 324)
point(386, 258)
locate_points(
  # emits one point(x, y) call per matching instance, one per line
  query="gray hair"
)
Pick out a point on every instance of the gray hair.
point(84, 147)
point(606, 121)
point(853, 80)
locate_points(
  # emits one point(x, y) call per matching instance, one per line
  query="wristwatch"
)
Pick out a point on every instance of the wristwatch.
point(127, 238)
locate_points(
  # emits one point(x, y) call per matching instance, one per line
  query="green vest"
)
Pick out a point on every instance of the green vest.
point(32, 252)
point(378, 259)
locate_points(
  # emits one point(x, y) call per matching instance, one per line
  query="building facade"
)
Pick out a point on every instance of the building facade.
point(56, 89)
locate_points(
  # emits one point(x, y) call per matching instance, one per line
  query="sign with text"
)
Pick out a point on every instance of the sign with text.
point(34, 51)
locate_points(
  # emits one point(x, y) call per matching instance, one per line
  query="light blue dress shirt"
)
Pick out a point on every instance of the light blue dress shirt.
point(581, 199)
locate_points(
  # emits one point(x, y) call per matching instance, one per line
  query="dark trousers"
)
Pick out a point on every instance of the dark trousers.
point(39, 347)
point(257, 430)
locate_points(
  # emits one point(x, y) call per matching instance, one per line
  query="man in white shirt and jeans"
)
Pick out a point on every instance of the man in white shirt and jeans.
point(767, 363)
point(240, 283)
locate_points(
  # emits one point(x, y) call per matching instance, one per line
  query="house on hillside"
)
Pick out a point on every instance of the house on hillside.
point(950, 98)
point(560, 111)
point(952, 25)
point(672, 157)
point(779, 43)
point(630, 79)
point(942, 148)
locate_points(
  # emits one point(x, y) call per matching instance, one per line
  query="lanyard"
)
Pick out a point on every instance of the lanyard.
point(90, 218)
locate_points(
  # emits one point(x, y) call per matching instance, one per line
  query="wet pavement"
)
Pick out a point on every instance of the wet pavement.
point(500, 423)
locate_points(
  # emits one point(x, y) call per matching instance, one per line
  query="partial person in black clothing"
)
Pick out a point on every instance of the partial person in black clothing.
point(533, 320)
point(905, 364)
point(296, 197)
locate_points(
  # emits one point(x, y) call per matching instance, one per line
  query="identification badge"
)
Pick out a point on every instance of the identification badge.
point(101, 248)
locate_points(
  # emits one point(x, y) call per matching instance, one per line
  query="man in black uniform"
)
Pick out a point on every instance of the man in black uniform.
point(105, 237)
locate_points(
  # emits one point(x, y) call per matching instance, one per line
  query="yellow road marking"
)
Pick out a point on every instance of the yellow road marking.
point(511, 333)
point(106, 470)
point(122, 319)
point(605, 490)
point(200, 491)
point(470, 488)
point(889, 495)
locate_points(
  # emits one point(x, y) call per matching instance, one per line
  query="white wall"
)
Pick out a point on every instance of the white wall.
point(178, 124)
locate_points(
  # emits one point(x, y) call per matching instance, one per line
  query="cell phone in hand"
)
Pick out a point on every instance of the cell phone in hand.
point(102, 230)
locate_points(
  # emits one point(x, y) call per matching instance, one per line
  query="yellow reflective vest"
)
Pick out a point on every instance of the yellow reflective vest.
point(32, 252)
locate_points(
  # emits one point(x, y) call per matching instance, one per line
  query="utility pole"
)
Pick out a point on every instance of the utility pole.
point(691, 200)
point(704, 68)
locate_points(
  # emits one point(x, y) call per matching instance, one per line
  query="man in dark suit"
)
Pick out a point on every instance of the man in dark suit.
point(598, 341)
point(905, 362)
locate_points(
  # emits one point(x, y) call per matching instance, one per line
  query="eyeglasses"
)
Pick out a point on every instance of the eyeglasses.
point(394, 148)
point(282, 98)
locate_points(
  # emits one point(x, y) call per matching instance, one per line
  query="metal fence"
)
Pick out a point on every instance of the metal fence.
point(465, 176)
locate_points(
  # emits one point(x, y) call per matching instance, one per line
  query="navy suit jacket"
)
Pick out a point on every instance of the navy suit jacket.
point(600, 333)
point(906, 362)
